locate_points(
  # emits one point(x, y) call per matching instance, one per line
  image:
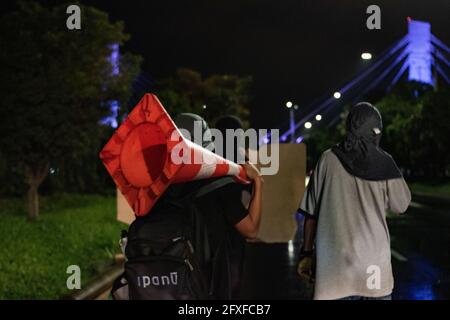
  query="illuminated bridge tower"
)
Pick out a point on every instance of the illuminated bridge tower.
point(111, 120)
point(419, 51)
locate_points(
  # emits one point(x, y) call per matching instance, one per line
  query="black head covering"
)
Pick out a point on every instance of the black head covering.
point(359, 152)
point(225, 123)
point(187, 121)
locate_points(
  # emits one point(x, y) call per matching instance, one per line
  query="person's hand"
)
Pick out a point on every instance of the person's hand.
point(305, 268)
point(252, 172)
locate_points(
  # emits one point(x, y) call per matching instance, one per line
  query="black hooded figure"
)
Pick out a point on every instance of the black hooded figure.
point(360, 152)
point(215, 234)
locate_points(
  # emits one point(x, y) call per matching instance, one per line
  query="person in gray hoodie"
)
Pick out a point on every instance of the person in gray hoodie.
point(353, 185)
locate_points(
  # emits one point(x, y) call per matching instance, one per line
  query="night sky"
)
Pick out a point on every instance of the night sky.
point(294, 49)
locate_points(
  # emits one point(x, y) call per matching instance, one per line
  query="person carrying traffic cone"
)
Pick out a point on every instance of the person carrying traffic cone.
point(228, 218)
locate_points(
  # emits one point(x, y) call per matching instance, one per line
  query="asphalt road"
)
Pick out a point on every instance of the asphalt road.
point(420, 242)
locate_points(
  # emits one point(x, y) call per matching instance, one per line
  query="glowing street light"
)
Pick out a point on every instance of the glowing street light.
point(204, 106)
point(318, 117)
point(366, 56)
point(289, 105)
point(308, 125)
point(337, 95)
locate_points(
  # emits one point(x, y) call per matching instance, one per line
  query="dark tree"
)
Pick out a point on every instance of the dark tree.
point(55, 86)
point(188, 91)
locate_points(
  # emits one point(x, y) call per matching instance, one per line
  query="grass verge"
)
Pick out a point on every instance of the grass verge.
point(71, 230)
point(432, 189)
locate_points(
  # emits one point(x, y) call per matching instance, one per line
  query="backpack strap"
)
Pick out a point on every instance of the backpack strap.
point(187, 200)
point(119, 290)
point(214, 185)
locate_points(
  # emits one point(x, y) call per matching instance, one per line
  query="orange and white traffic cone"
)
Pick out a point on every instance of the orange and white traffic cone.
point(143, 156)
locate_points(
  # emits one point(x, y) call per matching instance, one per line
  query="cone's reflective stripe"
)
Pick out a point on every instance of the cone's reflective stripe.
point(216, 166)
point(238, 172)
point(207, 171)
point(234, 170)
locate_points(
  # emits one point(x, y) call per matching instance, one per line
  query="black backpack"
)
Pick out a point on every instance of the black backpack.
point(168, 252)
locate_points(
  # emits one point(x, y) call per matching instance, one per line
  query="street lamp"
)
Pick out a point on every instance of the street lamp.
point(337, 95)
point(318, 117)
point(366, 56)
point(308, 125)
point(204, 106)
point(289, 105)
